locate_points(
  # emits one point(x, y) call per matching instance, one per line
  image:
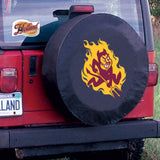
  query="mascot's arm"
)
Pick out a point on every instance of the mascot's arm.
point(92, 73)
point(95, 66)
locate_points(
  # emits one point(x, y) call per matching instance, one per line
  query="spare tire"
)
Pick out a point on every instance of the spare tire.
point(97, 67)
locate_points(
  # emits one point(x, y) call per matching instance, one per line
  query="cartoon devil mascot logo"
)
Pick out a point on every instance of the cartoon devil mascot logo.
point(101, 69)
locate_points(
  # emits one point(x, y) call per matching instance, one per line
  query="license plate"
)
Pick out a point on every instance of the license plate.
point(11, 104)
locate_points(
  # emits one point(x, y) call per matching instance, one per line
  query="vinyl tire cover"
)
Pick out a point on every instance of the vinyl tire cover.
point(64, 60)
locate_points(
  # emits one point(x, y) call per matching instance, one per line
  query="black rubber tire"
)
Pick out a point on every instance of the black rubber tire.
point(8, 154)
point(101, 155)
point(64, 61)
point(134, 151)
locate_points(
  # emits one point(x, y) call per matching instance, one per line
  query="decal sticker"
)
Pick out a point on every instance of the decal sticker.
point(25, 28)
point(101, 69)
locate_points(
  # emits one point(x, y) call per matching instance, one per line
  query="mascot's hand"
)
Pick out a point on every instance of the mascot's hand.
point(119, 76)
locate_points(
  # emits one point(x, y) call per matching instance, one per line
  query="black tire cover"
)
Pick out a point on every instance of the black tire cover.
point(97, 66)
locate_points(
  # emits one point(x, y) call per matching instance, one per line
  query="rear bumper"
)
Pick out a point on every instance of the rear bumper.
point(78, 135)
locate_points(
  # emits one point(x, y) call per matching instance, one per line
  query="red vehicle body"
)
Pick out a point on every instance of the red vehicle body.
point(40, 129)
point(36, 106)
